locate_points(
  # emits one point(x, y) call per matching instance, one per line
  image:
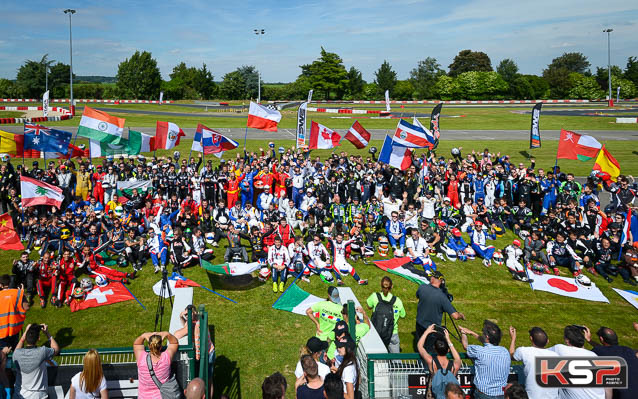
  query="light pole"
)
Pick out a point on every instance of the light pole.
point(46, 78)
point(259, 33)
point(70, 12)
point(608, 31)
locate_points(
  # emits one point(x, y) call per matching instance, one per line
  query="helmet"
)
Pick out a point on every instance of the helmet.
point(461, 256)
point(176, 155)
point(441, 223)
point(118, 210)
point(65, 234)
point(210, 238)
point(121, 262)
point(523, 234)
point(498, 230)
point(372, 150)
point(516, 243)
point(264, 273)
point(583, 280)
point(384, 246)
point(455, 151)
point(78, 293)
point(86, 284)
point(456, 232)
point(470, 253)
point(326, 277)
point(299, 215)
point(188, 231)
point(446, 199)
point(223, 220)
point(358, 218)
point(498, 258)
point(478, 224)
point(449, 253)
point(100, 281)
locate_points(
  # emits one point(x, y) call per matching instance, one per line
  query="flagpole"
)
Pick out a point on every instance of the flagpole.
point(245, 137)
point(133, 295)
point(208, 289)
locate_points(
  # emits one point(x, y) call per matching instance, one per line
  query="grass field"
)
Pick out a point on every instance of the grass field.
point(253, 340)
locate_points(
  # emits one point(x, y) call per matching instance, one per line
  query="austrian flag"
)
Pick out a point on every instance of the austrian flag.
point(36, 192)
point(322, 137)
point(357, 135)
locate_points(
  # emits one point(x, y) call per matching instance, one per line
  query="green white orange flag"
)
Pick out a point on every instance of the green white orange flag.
point(577, 146)
point(296, 300)
point(100, 126)
point(231, 268)
point(607, 164)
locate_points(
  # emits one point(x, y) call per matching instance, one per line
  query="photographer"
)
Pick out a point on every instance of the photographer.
point(433, 301)
point(30, 362)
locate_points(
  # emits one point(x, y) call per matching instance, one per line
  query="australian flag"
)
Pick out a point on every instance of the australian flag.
point(44, 139)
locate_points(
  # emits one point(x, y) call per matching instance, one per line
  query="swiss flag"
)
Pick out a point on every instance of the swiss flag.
point(357, 135)
point(114, 292)
point(322, 137)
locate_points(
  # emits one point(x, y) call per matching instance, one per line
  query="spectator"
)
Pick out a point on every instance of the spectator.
point(527, 355)
point(274, 386)
point(609, 347)
point(397, 306)
point(90, 382)
point(161, 361)
point(442, 369)
point(491, 362)
point(332, 387)
point(30, 363)
point(317, 349)
point(310, 384)
point(574, 337)
point(454, 391)
point(196, 389)
point(346, 367)
point(516, 391)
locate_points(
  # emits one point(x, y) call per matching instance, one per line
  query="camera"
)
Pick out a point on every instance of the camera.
point(444, 289)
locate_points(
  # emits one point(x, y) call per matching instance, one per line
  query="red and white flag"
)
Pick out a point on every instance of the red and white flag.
point(263, 118)
point(357, 135)
point(36, 192)
point(167, 136)
point(567, 286)
point(322, 138)
point(114, 292)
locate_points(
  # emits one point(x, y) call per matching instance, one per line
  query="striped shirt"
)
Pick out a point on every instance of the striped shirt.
point(492, 367)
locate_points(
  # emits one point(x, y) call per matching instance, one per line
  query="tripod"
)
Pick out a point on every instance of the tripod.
point(166, 288)
point(456, 329)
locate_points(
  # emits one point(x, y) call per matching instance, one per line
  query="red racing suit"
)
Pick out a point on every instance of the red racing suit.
point(47, 277)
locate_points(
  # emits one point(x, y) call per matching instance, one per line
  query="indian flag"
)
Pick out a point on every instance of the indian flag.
point(100, 126)
point(36, 192)
point(142, 186)
point(296, 300)
point(231, 268)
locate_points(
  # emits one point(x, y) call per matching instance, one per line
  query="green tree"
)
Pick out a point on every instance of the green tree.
point(403, 90)
point(521, 88)
point(572, 62)
point(31, 78)
point(602, 76)
point(233, 86)
point(584, 87)
point(385, 77)
point(190, 83)
point(327, 76)
point(371, 92)
point(355, 83)
point(558, 81)
point(468, 61)
point(8, 89)
point(627, 87)
point(508, 69)
point(251, 78)
point(539, 85)
point(481, 85)
point(139, 77)
point(447, 88)
point(424, 77)
point(631, 70)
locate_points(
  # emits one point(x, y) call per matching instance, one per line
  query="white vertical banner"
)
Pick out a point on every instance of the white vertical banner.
point(45, 104)
point(618, 94)
point(161, 97)
point(387, 100)
point(310, 96)
point(301, 125)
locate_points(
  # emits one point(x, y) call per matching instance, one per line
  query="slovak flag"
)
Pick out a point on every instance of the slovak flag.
point(263, 118)
point(322, 137)
point(209, 141)
point(396, 155)
point(412, 136)
point(357, 135)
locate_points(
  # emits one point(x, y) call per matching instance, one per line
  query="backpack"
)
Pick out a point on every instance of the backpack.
point(441, 378)
point(383, 318)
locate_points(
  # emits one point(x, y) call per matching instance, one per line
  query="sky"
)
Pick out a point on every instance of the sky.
point(363, 33)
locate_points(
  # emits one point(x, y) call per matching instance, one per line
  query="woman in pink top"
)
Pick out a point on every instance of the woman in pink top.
point(161, 362)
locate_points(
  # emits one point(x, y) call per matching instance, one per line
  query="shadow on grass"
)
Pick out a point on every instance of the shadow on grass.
point(64, 337)
point(233, 283)
point(226, 378)
point(635, 152)
point(526, 154)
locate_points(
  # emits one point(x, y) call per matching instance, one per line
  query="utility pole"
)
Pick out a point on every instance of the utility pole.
point(70, 12)
point(608, 31)
point(259, 33)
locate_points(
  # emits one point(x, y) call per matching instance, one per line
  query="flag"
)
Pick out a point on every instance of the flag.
point(209, 141)
point(575, 146)
point(430, 135)
point(36, 192)
point(75, 152)
point(175, 281)
point(167, 135)
point(127, 186)
point(8, 143)
point(396, 155)
point(607, 164)
point(112, 293)
point(9, 239)
point(626, 230)
point(263, 118)
point(139, 142)
point(567, 287)
point(322, 137)
point(301, 124)
point(310, 95)
point(231, 268)
point(44, 139)
point(100, 126)
point(534, 131)
point(630, 296)
point(296, 300)
point(357, 135)
point(45, 104)
point(434, 123)
point(387, 100)
point(412, 136)
point(105, 148)
point(395, 266)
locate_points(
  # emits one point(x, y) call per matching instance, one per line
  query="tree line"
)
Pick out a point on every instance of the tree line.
point(470, 76)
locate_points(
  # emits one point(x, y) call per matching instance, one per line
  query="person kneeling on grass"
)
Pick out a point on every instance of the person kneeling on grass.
point(340, 264)
point(419, 251)
point(513, 257)
point(479, 238)
point(278, 259)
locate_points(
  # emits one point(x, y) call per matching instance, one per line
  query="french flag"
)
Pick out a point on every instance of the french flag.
point(412, 136)
point(209, 141)
point(396, 155)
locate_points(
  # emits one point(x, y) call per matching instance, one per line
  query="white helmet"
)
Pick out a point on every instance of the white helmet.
point(100, 281)
point(223, 220)
point(86, 284)
point(446, 199)
point(326, 276)
point(583, 280)
point(498, 258)
point(264, 273)
point(455, 151)
point(118, 210)
point(210, 238)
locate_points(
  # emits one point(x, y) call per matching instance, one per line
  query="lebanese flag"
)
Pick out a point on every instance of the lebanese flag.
point(231, 268)
point(9, 239)
point(263, 118)
point(296, 300)
point(36, 192)
point(167, 136)
point(577, 146)
point(101, 296)
point(567, 287)
point(357, 135)
point(322, 137)
point(395, 266)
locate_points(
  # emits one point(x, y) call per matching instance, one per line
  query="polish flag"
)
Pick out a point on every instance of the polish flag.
point(167, 136)
point(357, 135)
point(263, 118)
point(322, 138)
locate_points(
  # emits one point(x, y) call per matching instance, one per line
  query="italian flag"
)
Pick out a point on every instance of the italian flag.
point(232, 268)
point(577, 146)
point(36, 192)
point(136, 143)
point(100, 126)
point(296, 300)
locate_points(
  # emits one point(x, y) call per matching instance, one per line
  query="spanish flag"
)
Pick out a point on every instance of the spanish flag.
point(8, 143)
point(605, 163)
